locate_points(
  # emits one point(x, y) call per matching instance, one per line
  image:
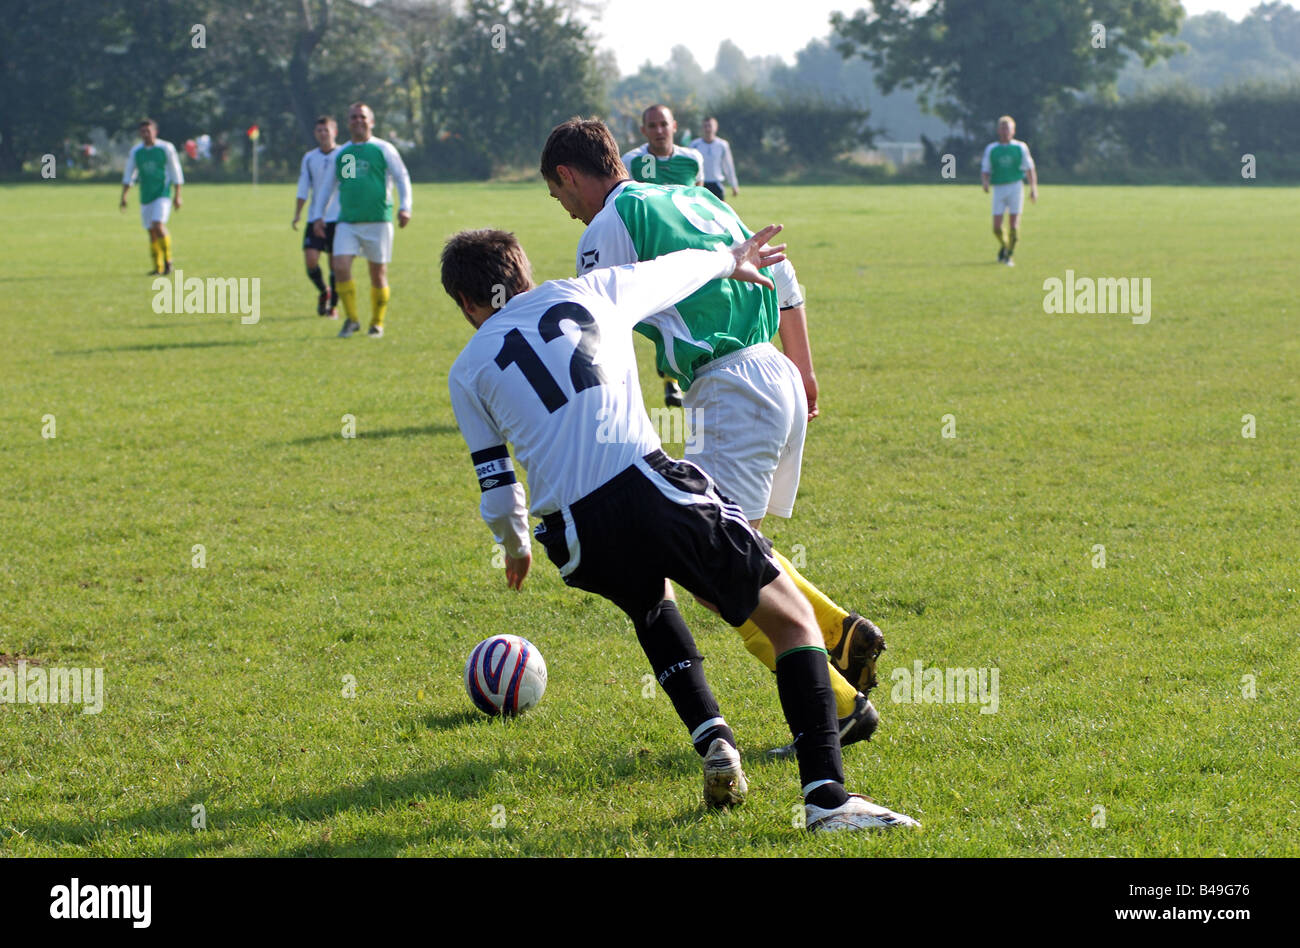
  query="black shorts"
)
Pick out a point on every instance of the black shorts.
point(716, 188)
point(638, 529)
point(324, 244)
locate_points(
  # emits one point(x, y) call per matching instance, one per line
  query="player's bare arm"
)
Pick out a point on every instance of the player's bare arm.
point(1033, 185)
point(297, 214)
point(798, 349)
point(176, 196)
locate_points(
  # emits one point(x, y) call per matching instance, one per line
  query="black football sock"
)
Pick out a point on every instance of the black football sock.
point(804, 687)
point(334, 294)
point(667, 642)
point(313, 274)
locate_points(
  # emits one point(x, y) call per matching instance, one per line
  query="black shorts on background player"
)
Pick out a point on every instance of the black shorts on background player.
point(324, 244)
point(716, 188)
point(631, 536)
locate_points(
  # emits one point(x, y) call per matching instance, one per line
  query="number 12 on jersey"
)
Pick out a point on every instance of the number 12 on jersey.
point(583, 372)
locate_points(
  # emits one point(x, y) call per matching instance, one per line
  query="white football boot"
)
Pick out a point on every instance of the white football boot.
point(856, 814)
point(724, 781)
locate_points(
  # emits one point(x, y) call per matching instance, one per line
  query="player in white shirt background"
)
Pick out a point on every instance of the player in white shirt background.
point(719, 164)
point(314, 180)
point(547, 369)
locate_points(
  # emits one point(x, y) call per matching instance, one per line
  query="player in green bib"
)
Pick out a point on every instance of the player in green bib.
point(1005, 165)
point(158, 168)
point(748, 403)
point(364, 169)
point(660, 160)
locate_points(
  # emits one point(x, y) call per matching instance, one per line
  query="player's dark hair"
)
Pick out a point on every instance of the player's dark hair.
point(650, 108)
point(147, 121)
point(326, 119)
point(487, 266)
point(710, 118)
point(585, 145)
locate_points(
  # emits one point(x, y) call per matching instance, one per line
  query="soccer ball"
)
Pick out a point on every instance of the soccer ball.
point(505, 675)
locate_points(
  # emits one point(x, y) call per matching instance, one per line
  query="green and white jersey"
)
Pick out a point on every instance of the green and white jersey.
point(158, 166)
point(645, 221)
point(1005, 164)
point(683, 166)
point(363, 173)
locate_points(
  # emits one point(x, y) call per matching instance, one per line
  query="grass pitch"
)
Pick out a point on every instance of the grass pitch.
point(1147, 707)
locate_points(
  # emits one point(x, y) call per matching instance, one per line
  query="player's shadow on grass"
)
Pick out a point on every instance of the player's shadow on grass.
point(472, 783)
point(367, 434)
point(158, 346)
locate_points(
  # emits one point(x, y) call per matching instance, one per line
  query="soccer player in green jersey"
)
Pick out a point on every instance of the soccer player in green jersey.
point(158, 167)
point(661, 161)
point(750, 403)
point(1005, 165)
point(364, 168)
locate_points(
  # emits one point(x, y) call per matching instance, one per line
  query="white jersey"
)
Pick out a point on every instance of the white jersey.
point(316, 177)
point(718, 163)
point(554, 373)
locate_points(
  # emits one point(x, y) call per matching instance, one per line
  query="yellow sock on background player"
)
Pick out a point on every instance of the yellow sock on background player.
point(378, 308)
point(347, 290)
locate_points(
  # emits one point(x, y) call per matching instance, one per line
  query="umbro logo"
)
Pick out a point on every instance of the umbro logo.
point(590, 258)
point(488, 484)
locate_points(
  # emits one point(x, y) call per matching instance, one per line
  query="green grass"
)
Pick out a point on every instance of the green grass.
point(1119, 687)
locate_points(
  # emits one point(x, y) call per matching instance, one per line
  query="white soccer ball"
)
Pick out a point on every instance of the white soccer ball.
point(505, 675)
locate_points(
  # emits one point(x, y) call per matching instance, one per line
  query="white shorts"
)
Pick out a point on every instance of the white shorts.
point(155, 211)
point(371, 239)
point(1008, 197)
point(748, 416)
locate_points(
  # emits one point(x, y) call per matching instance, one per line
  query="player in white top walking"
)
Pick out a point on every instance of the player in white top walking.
point(547, 370)
point(1005, 165)
point(314, 177)
point(159, 168)
point(719, 166)
point(364, 171)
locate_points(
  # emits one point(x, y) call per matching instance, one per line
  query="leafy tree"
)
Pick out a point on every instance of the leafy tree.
point(972, 60)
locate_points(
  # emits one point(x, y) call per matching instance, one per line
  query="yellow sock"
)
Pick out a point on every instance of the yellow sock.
point(347, 290)
point(760, 647)
point(1015, 235)
point(378, 305)
point(830, 617)
point(167, 248)
point(155, 253)
point(997, 232)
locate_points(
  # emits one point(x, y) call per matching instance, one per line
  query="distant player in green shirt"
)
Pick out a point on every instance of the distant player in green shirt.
point(661, 161)
point(1005, 165)
point(364, 168)
point(158, 167)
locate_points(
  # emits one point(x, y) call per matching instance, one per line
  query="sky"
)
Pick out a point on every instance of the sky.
point(758, 27)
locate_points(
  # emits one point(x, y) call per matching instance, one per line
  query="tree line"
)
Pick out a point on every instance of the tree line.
point(470, 90)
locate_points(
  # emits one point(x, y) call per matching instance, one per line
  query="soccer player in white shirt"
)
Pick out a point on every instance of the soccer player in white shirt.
point(548, 370)
point(159, 169)
point(314, 177)
point(719, 167)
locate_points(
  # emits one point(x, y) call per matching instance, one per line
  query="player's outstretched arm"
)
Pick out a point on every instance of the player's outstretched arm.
point(754, 254)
